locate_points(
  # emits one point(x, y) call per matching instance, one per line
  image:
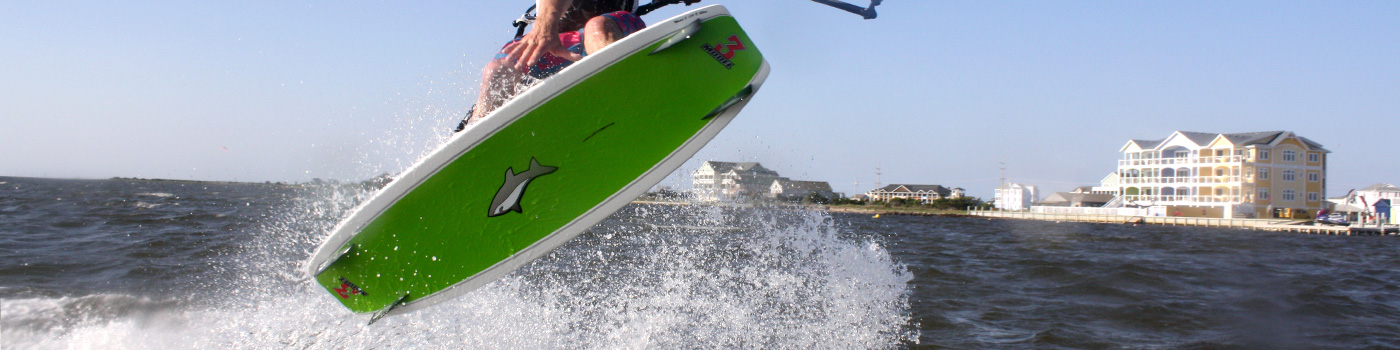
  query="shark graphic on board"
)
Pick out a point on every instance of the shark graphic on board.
point(508, 197)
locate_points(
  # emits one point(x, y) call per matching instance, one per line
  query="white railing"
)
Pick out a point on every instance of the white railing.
point(1181, 161)
point(1156, 198)
point(1209, 179)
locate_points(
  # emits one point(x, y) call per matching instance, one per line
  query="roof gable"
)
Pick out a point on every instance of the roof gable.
point(1220, 141)
point(1198, 138)
point(717, 167)
point(1139, 145)
point(1312, 145)
point(737, 168)
point(1249, 138)
point(905, 188)
point(1203, 139)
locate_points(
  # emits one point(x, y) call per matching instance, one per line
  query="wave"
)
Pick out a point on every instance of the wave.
point(46, 322)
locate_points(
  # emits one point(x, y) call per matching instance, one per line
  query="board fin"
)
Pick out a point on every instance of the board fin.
point(325, 265)
point(743, 94)
point(680, 36)
point(385, 312)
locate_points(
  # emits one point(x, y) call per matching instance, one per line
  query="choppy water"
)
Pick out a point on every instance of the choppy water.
point(112, 264)
point(130, 264)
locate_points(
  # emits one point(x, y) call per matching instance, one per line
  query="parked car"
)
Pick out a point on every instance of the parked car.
point(1337, 219)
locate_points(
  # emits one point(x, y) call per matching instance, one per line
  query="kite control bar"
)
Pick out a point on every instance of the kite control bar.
point(645, 9)
point(523, 21)
point(867, 12)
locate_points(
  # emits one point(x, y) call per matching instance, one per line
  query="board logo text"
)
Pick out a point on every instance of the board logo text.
point(724, 52)
point(347, 289)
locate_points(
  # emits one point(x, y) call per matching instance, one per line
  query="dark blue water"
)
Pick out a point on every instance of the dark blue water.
point(1028, 284)
point(160, 264)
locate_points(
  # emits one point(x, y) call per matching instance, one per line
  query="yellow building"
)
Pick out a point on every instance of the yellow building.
point(1257, 174)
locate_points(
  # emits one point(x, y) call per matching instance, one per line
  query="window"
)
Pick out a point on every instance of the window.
point(1248, 173)
point(1289, 155)
point(1288, 195)
point(1263, 173)
point(1313, 157)
point(1263, 154)
point(1289, 175)
point(1312, 196)
point(1312, 177)
point(1263, 193)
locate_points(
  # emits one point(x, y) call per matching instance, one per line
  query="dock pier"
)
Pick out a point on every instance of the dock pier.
point(1280, 225)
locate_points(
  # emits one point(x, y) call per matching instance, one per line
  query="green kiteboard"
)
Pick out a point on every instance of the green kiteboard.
point(544, 167)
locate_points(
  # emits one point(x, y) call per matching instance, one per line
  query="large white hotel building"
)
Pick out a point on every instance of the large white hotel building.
point(1257, 174)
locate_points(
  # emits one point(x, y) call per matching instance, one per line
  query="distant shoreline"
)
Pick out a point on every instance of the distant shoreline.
point(855, 209)
point(844, 209)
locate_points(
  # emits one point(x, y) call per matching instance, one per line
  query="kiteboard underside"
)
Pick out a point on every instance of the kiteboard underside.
point(544, 167)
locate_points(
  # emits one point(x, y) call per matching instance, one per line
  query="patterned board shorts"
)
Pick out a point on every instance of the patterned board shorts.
point(549, 64)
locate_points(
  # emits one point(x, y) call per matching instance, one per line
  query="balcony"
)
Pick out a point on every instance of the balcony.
point(1180, 161)
point(1170, 199)
point(1190, 180)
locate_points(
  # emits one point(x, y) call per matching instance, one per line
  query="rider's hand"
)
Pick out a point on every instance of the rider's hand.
point(543, 38)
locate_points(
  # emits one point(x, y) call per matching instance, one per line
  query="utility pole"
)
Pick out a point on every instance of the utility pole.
point(1003, 174)
point(879, 176)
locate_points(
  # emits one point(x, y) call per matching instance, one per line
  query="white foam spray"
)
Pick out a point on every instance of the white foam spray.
point(649, 277)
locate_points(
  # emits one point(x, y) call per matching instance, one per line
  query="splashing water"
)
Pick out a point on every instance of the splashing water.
point(648, 277)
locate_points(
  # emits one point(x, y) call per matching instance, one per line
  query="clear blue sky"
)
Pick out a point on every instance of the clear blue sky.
point(932, 92)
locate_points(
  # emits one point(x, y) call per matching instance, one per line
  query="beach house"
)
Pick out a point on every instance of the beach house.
point(1014, 196)
point(1255, 174)
point(1364, 201)
point(794, 189)
point(723, 180)
point(921, 193)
